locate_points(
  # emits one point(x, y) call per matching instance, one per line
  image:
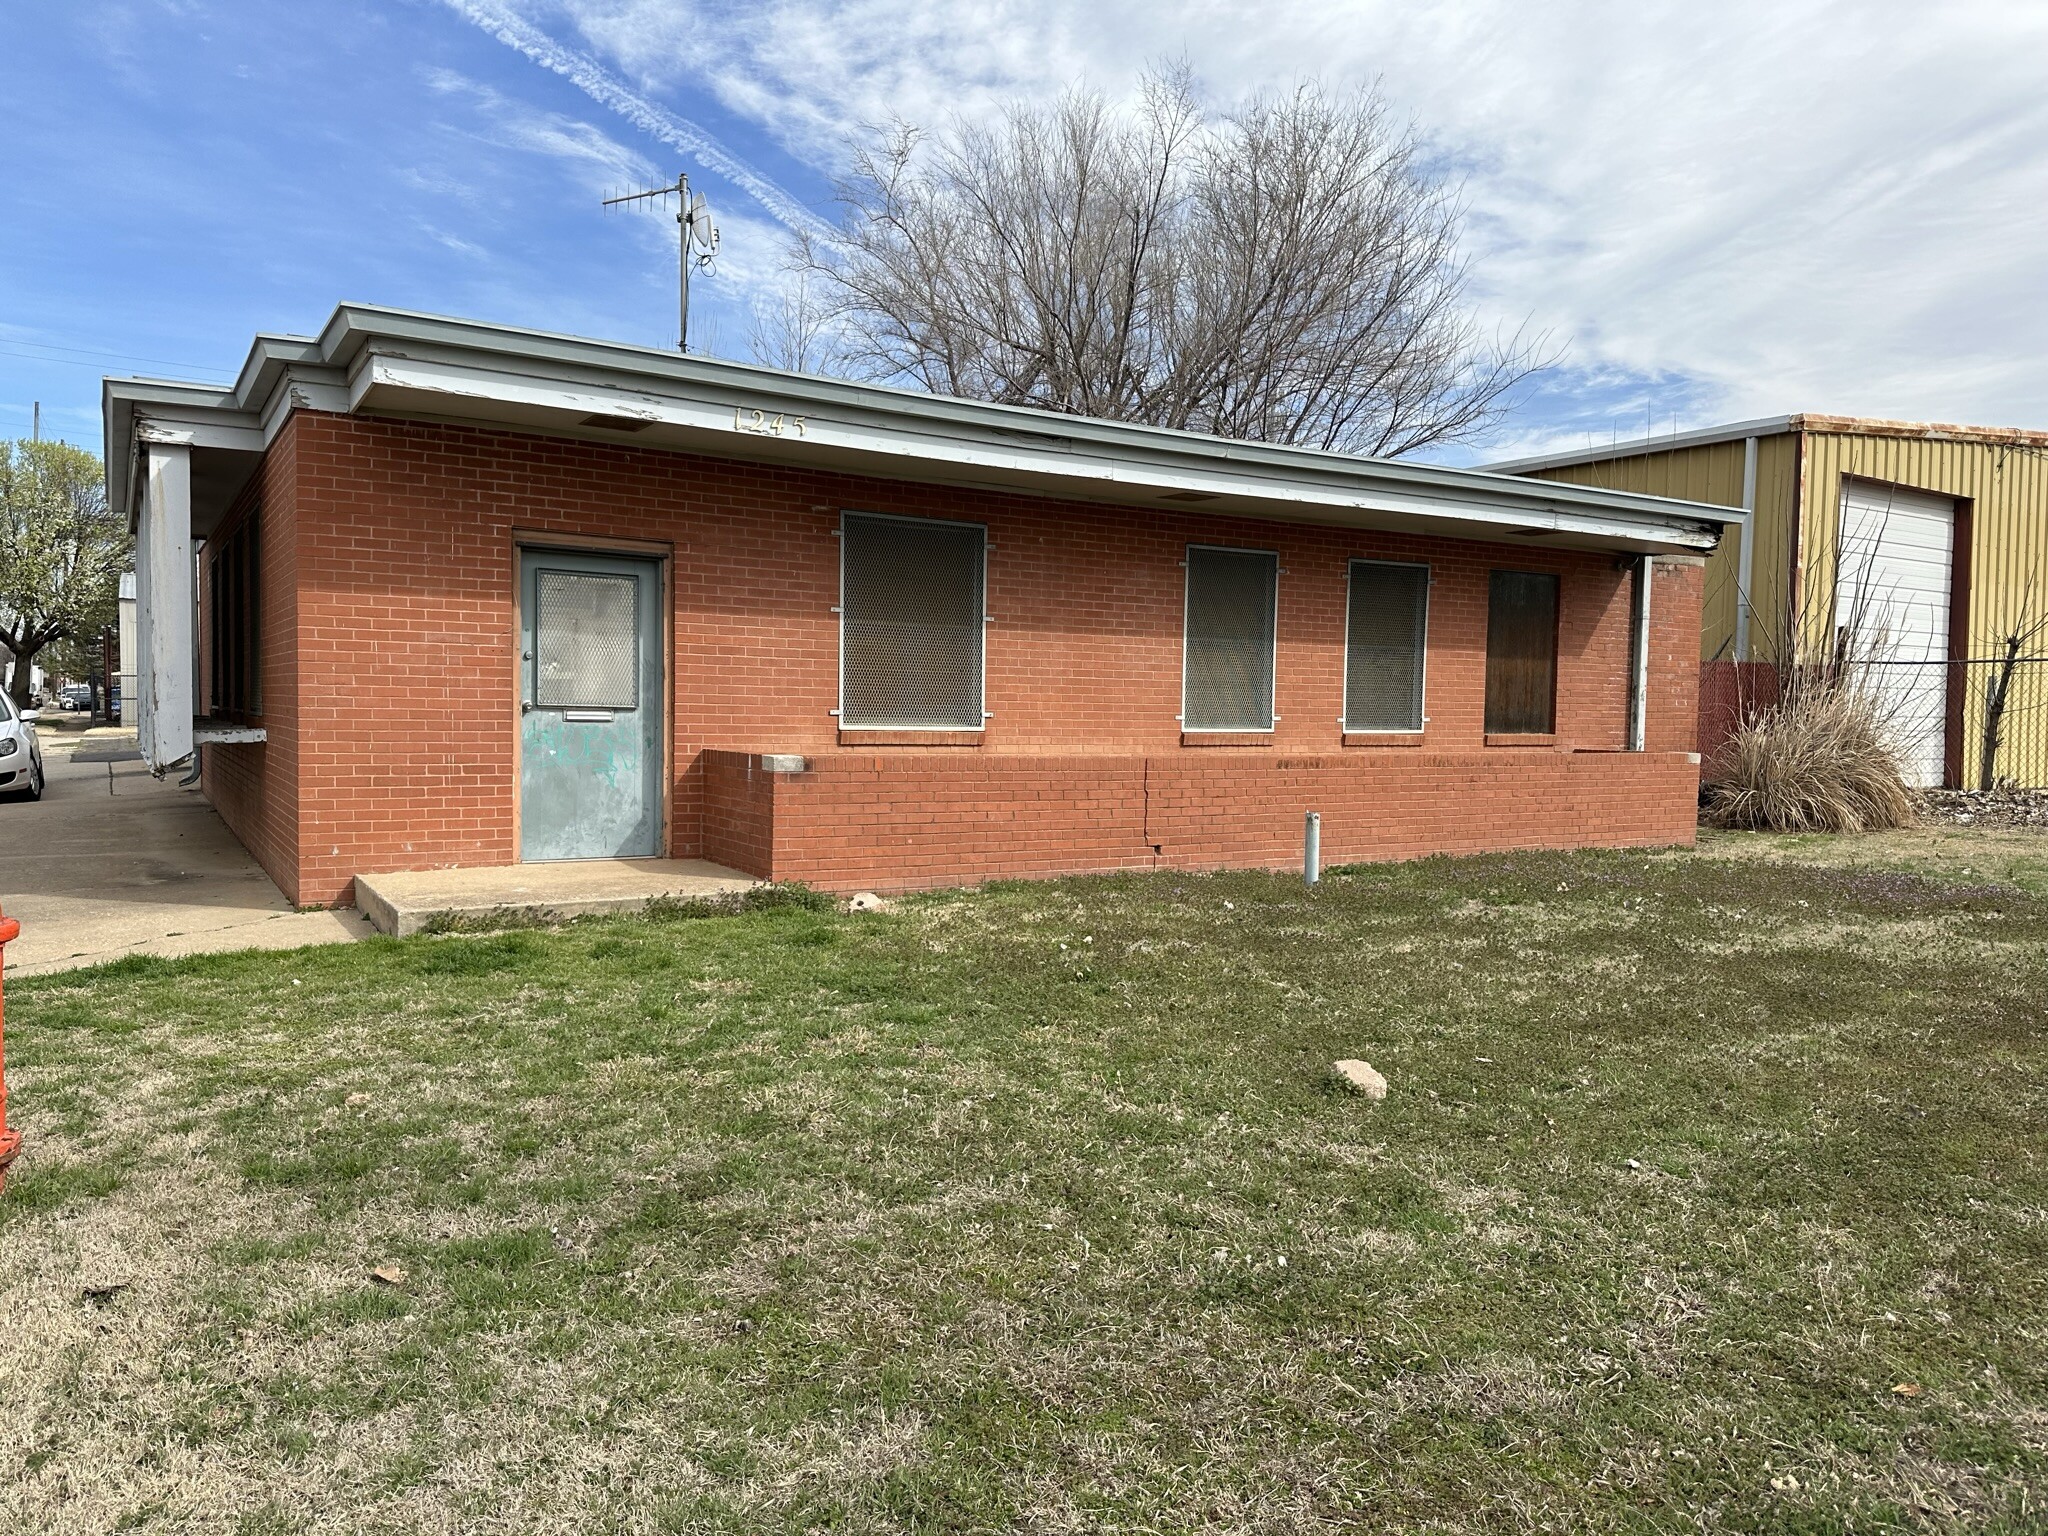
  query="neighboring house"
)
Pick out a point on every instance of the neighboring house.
point(1945, 533)
point(475, 595)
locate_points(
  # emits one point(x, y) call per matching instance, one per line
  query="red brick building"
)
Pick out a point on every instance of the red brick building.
point(470, 595)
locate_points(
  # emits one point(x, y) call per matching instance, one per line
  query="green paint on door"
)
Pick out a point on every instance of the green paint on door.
point(590, 757)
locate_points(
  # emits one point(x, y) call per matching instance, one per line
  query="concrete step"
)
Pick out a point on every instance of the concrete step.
point(403, 902)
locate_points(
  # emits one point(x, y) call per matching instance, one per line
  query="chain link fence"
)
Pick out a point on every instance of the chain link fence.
point(2003, 735)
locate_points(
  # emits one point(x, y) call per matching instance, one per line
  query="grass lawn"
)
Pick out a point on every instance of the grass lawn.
point(1712, 1194)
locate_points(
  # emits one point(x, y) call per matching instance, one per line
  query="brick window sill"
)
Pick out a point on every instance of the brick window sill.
point(1384, 738)
point(1517, 739)
point(857, 738)
point(1226, 738)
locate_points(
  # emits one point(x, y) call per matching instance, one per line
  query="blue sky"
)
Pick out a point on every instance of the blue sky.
point(1723, 210)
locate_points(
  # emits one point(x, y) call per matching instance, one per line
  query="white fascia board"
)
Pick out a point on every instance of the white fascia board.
point(190, 415)
point(236, 430)
point(710, 417)
point(302, 387)
point(659, 374)
point(368, 358)
point(269, 356)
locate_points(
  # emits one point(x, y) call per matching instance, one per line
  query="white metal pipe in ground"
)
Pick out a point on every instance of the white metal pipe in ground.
point(1745, 558)
point(1312, 848)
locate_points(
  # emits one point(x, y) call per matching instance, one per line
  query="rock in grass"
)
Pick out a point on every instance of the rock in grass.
point(1360, 1077)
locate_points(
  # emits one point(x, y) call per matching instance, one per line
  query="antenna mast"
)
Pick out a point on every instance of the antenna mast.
point(696, 242)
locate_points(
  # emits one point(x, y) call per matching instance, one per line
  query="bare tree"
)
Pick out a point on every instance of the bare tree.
point(2024, 641)
point(1289, 272)
point(793, 331)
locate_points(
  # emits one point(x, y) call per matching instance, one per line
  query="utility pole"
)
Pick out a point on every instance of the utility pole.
point(696, 242)
point(37, 419)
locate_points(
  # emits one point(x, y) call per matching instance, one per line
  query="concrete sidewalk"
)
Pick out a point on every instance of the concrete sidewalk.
point(112, 862)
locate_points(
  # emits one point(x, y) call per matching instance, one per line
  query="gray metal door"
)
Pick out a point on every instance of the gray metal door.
point(590, 749)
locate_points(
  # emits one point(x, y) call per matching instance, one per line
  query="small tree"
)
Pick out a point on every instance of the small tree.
point(2023, 641)
point(1289, 272)
point(61, 551)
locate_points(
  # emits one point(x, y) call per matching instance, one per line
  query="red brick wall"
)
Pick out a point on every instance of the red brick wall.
point(1672, 721)
point(854, 820)
point(1730, 692)
point(406, 620)
point(739, 812)
point(255, 787)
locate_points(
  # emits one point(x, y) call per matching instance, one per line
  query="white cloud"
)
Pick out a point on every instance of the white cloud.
point(1744, 207)
point(510, 28)
point(581, 146)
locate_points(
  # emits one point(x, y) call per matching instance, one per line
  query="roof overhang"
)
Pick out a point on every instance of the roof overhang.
point(1771, 426)
point(1734, 431)
point(226, 441)
point(391, 363)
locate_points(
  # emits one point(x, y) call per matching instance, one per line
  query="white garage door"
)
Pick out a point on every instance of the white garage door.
point(1892, 585)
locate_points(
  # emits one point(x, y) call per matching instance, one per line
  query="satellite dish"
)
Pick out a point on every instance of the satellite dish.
point(700, 220)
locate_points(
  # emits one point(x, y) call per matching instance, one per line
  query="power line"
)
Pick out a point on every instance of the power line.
point(10, 345)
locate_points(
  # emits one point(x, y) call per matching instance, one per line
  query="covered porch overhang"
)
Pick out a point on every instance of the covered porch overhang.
point(189, 453)
point(178, 454)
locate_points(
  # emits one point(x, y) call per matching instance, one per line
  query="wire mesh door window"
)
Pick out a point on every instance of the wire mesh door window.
point(586, 632)
point(1228, 685)
point(1383, 646)
point(911, 624)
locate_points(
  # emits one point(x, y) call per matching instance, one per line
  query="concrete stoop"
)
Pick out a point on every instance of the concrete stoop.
point(405, 902)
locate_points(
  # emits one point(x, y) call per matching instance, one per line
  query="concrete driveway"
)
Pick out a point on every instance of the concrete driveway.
point(112, 862)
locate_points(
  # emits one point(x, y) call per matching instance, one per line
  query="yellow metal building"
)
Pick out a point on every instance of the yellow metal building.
point(1946, 525)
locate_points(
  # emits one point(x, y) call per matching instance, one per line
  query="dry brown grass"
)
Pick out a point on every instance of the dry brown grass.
point(1820, 761)
point(1036, 1209)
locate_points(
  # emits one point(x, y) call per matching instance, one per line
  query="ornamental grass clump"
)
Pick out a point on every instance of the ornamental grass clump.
point(1820, 760)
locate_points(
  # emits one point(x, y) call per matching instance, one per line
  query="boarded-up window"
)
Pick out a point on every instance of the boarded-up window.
point(911, 623)
point(1521, 654)
point(1389, 617)
point(234, 634)
point(1227, 684)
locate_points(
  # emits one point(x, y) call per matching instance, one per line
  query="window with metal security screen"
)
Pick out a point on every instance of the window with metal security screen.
point(586, 641)
point(234, 634)
point(1227, 682)
point(1383, 646)
point(1521, 653)
point(911, 623)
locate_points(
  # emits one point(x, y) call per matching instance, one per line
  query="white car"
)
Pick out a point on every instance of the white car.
point(21, 755)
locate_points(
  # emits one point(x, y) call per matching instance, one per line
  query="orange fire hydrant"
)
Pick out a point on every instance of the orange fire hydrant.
point(10, 1141)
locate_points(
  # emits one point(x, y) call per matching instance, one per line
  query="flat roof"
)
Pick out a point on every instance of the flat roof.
point(373, 361)
point(1771, 426)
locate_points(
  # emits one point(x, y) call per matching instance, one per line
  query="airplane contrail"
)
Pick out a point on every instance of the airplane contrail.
point(591, 78)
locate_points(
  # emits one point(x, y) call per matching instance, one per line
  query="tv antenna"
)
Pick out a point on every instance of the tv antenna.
point(696, 242)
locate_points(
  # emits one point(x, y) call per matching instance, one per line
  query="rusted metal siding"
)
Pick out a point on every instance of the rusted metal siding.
point(2003, 486)
point(1713, 473)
